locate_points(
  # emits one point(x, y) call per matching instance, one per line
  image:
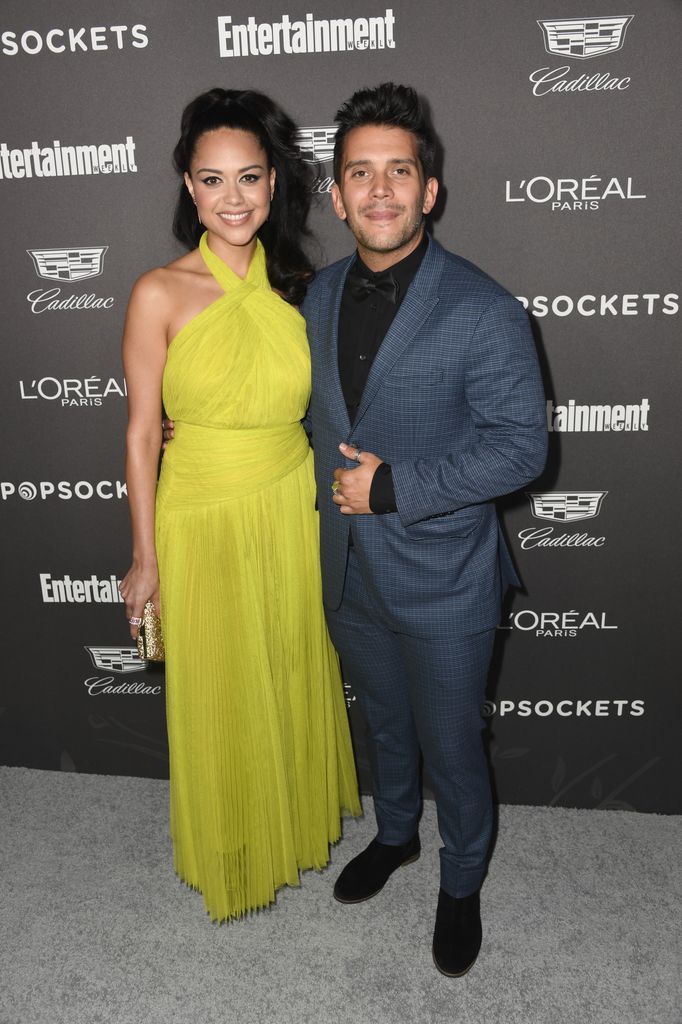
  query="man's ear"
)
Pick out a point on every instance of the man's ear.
point(430, 193)
point(337, 202)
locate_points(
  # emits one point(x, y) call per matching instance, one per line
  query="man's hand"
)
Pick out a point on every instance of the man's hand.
point(168, 433)
point(351, 486)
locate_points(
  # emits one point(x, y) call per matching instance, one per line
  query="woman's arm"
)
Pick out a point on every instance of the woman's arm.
point(144, 358)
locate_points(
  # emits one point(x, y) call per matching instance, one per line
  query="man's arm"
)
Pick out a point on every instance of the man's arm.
point(505, 395)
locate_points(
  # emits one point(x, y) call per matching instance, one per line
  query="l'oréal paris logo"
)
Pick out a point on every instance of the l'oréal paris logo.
point(571, 194)
point(72, 391)
point(557, 624)
point(580, 39)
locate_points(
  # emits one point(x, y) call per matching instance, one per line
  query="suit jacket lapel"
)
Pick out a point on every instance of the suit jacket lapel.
point(421, 299)
point(329, 341)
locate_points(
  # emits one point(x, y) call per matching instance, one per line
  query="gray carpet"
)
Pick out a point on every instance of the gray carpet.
point(581, 921)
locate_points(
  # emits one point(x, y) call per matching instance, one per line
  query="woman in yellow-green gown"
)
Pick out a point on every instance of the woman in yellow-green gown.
point(261, 766)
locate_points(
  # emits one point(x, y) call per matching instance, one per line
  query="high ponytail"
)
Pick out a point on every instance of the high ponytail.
point(289, 268)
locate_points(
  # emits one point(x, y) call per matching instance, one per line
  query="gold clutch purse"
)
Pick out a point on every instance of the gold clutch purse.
point(149, 636)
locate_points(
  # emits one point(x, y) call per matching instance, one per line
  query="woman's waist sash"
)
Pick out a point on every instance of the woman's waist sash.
point(203, 465)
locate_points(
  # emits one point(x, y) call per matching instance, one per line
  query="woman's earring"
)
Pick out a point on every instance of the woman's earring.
point(197, 208)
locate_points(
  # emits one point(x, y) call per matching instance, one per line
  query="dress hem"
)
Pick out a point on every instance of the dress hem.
point(252, 911)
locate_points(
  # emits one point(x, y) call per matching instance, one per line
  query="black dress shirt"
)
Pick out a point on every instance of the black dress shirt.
point(363, 324)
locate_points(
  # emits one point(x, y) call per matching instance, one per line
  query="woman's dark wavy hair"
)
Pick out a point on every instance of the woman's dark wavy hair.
point(289, 269)
point(390, 105)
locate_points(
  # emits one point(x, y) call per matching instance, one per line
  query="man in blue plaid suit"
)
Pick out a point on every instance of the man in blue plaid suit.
point(427, 404)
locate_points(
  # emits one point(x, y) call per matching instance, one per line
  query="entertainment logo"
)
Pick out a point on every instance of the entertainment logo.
point(69, 590)
point(316, 146)
point(571, 418)
point(581, 39)
point(58, 161)
point(314, 35)
point(121, 660)
point(71, 264)
point(562, 507)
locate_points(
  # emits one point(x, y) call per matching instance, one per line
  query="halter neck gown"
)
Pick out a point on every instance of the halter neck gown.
point(261, 764)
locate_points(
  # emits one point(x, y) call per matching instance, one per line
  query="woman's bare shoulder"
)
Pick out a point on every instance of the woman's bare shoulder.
point(189, 263)
point(162, 283)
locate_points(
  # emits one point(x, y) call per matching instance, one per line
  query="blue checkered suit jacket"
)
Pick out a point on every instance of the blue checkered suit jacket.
point(454, 402)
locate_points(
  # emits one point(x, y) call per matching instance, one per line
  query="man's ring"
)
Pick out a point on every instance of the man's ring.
point(357, 455)
point(135, 620)
point(335, 486)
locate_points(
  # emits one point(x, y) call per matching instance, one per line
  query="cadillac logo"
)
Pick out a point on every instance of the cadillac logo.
point(316, 143)
point(116, 659)
point(68, 264)
point(582, 38)
point(566, 506)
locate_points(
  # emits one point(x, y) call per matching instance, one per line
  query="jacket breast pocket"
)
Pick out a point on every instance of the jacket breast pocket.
point(451, 526)
point(414, 379)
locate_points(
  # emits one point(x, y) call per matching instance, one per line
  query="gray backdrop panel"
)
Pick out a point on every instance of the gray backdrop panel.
point(583, 700)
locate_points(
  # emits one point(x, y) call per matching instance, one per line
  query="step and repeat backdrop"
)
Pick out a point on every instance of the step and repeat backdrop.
point(560, 154)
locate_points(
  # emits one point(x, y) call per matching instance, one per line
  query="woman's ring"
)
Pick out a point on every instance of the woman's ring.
point(357, 455)
point(135, 620)
point(335, 486)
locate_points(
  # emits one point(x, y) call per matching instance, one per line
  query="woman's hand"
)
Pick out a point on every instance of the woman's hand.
point(136, 588)
point(168, 432)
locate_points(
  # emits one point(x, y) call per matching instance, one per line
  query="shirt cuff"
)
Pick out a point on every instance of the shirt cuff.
point(381, 492)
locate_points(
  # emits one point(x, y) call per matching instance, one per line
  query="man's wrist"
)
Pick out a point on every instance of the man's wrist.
point(381, 491)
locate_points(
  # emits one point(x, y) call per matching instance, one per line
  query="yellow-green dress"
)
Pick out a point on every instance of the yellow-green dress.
point(261, 765)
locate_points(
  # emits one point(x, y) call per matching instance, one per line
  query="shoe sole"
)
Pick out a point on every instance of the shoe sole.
point(363, 899)
point(452, 974)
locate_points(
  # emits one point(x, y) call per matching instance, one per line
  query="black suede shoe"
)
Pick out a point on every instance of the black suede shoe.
point(365, 875)
point(458, 933)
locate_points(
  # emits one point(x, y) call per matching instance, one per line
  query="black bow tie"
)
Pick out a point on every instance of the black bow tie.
point(385, 284)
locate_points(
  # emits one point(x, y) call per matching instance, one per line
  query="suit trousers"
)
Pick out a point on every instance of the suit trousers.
point(420, 693)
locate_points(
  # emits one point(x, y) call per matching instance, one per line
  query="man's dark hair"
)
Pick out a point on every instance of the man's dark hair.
point(389, 105)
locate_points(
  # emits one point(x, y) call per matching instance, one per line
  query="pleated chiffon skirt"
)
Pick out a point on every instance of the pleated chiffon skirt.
point(261, 761)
